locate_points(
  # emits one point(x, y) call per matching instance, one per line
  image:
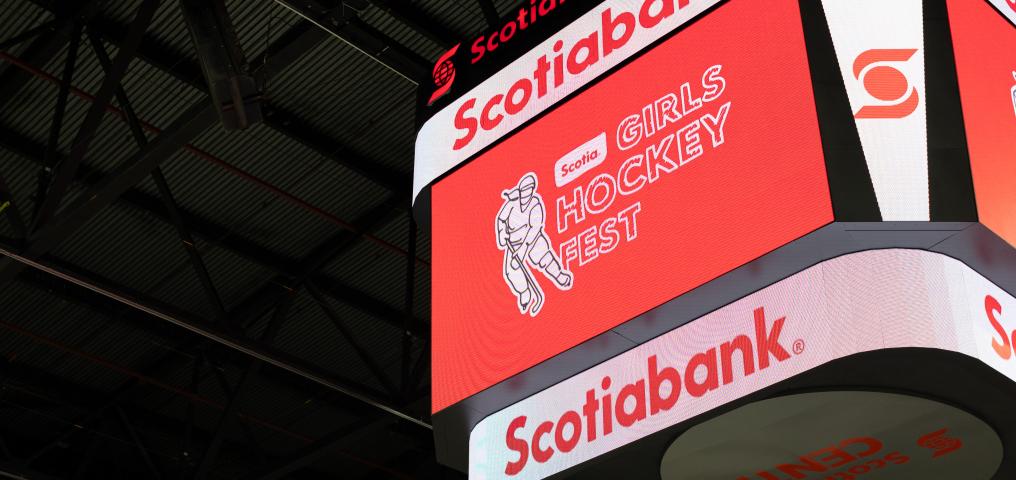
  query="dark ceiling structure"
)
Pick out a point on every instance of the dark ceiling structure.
point(209, 267)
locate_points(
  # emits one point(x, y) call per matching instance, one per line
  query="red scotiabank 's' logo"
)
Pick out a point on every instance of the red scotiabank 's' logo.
point(608, 407)
point(1012, 4)
point(1005, 343)
point(940, 443)
point(444, 74)
point(885, 83)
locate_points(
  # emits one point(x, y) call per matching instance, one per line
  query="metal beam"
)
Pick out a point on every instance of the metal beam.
point(194, 120)
point(79, 425)
point(364, 302)
point(407, 334)
point(42, 50)
point(258, 302)
point(138, 444)
point(165, 193)
point(9, 207)
point(233, 90)
point(415, 18)
point(422, 364)
point(299, 130)
point(267, 338)
point(47, 27)
point(56, 125)
point(202, 328)
point(350, 337)
point(288, 270)
point(67, 169)
point(490, 13)
point(308, 455)
point(361, 36)
point(143, 202)
point(126, 315)
point(86, 457)
point(286, 123)
point(67, 394)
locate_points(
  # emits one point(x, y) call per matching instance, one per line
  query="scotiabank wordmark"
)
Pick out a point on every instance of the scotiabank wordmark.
point(526, 17)
point(1006, 341)
point(607, 408)
point(567, 61)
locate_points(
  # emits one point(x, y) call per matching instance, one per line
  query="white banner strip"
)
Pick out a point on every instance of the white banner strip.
point(578, 54)
point(880, 48)
point(861, 302)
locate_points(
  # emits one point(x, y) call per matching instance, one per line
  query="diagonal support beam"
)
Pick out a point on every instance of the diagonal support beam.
point(47, 27)
point(360, 300)
point(350, 337)
point(361, 36)
point(415, 18)
point(212, 453)
point(341, 438)
point(297, 129)
point(407, 333)
point(258, 302)
point(490, 13)
point(201, 327)
point(67, 169)
point(288, 270)
point(139, 445)
point(56, 126)
point(287, 123)
point(43, 49)
point(194, 120)
point(165, 193)
point(9, 208)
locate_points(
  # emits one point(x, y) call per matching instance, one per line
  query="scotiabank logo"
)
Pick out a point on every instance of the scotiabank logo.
point(444, 74)
point(1006, 340)
point(1012, 4)
point(885, 83)
point(525, 19)
point(565, 62)
point(608, 408)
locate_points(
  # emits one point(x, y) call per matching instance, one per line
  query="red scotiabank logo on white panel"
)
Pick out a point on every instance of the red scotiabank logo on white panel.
point(1005, 342)
point(600, 39)
point(609, 406)
point(784, 330)
point(896, 97)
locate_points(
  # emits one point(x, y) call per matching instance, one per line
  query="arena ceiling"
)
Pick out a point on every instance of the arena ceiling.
point(179, 299)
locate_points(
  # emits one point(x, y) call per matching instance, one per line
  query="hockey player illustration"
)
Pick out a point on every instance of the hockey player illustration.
point(521, 235)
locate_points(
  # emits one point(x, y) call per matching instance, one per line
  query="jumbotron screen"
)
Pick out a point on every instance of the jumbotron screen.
point(695, 158)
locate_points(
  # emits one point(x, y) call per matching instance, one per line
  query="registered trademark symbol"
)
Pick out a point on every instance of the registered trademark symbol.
point(798, 346)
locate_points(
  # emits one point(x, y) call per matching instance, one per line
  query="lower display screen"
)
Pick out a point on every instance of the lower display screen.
point(837, 435)
point(861, 302)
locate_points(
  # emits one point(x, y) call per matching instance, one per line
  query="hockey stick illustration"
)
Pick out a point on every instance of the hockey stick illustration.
point(537, 301)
